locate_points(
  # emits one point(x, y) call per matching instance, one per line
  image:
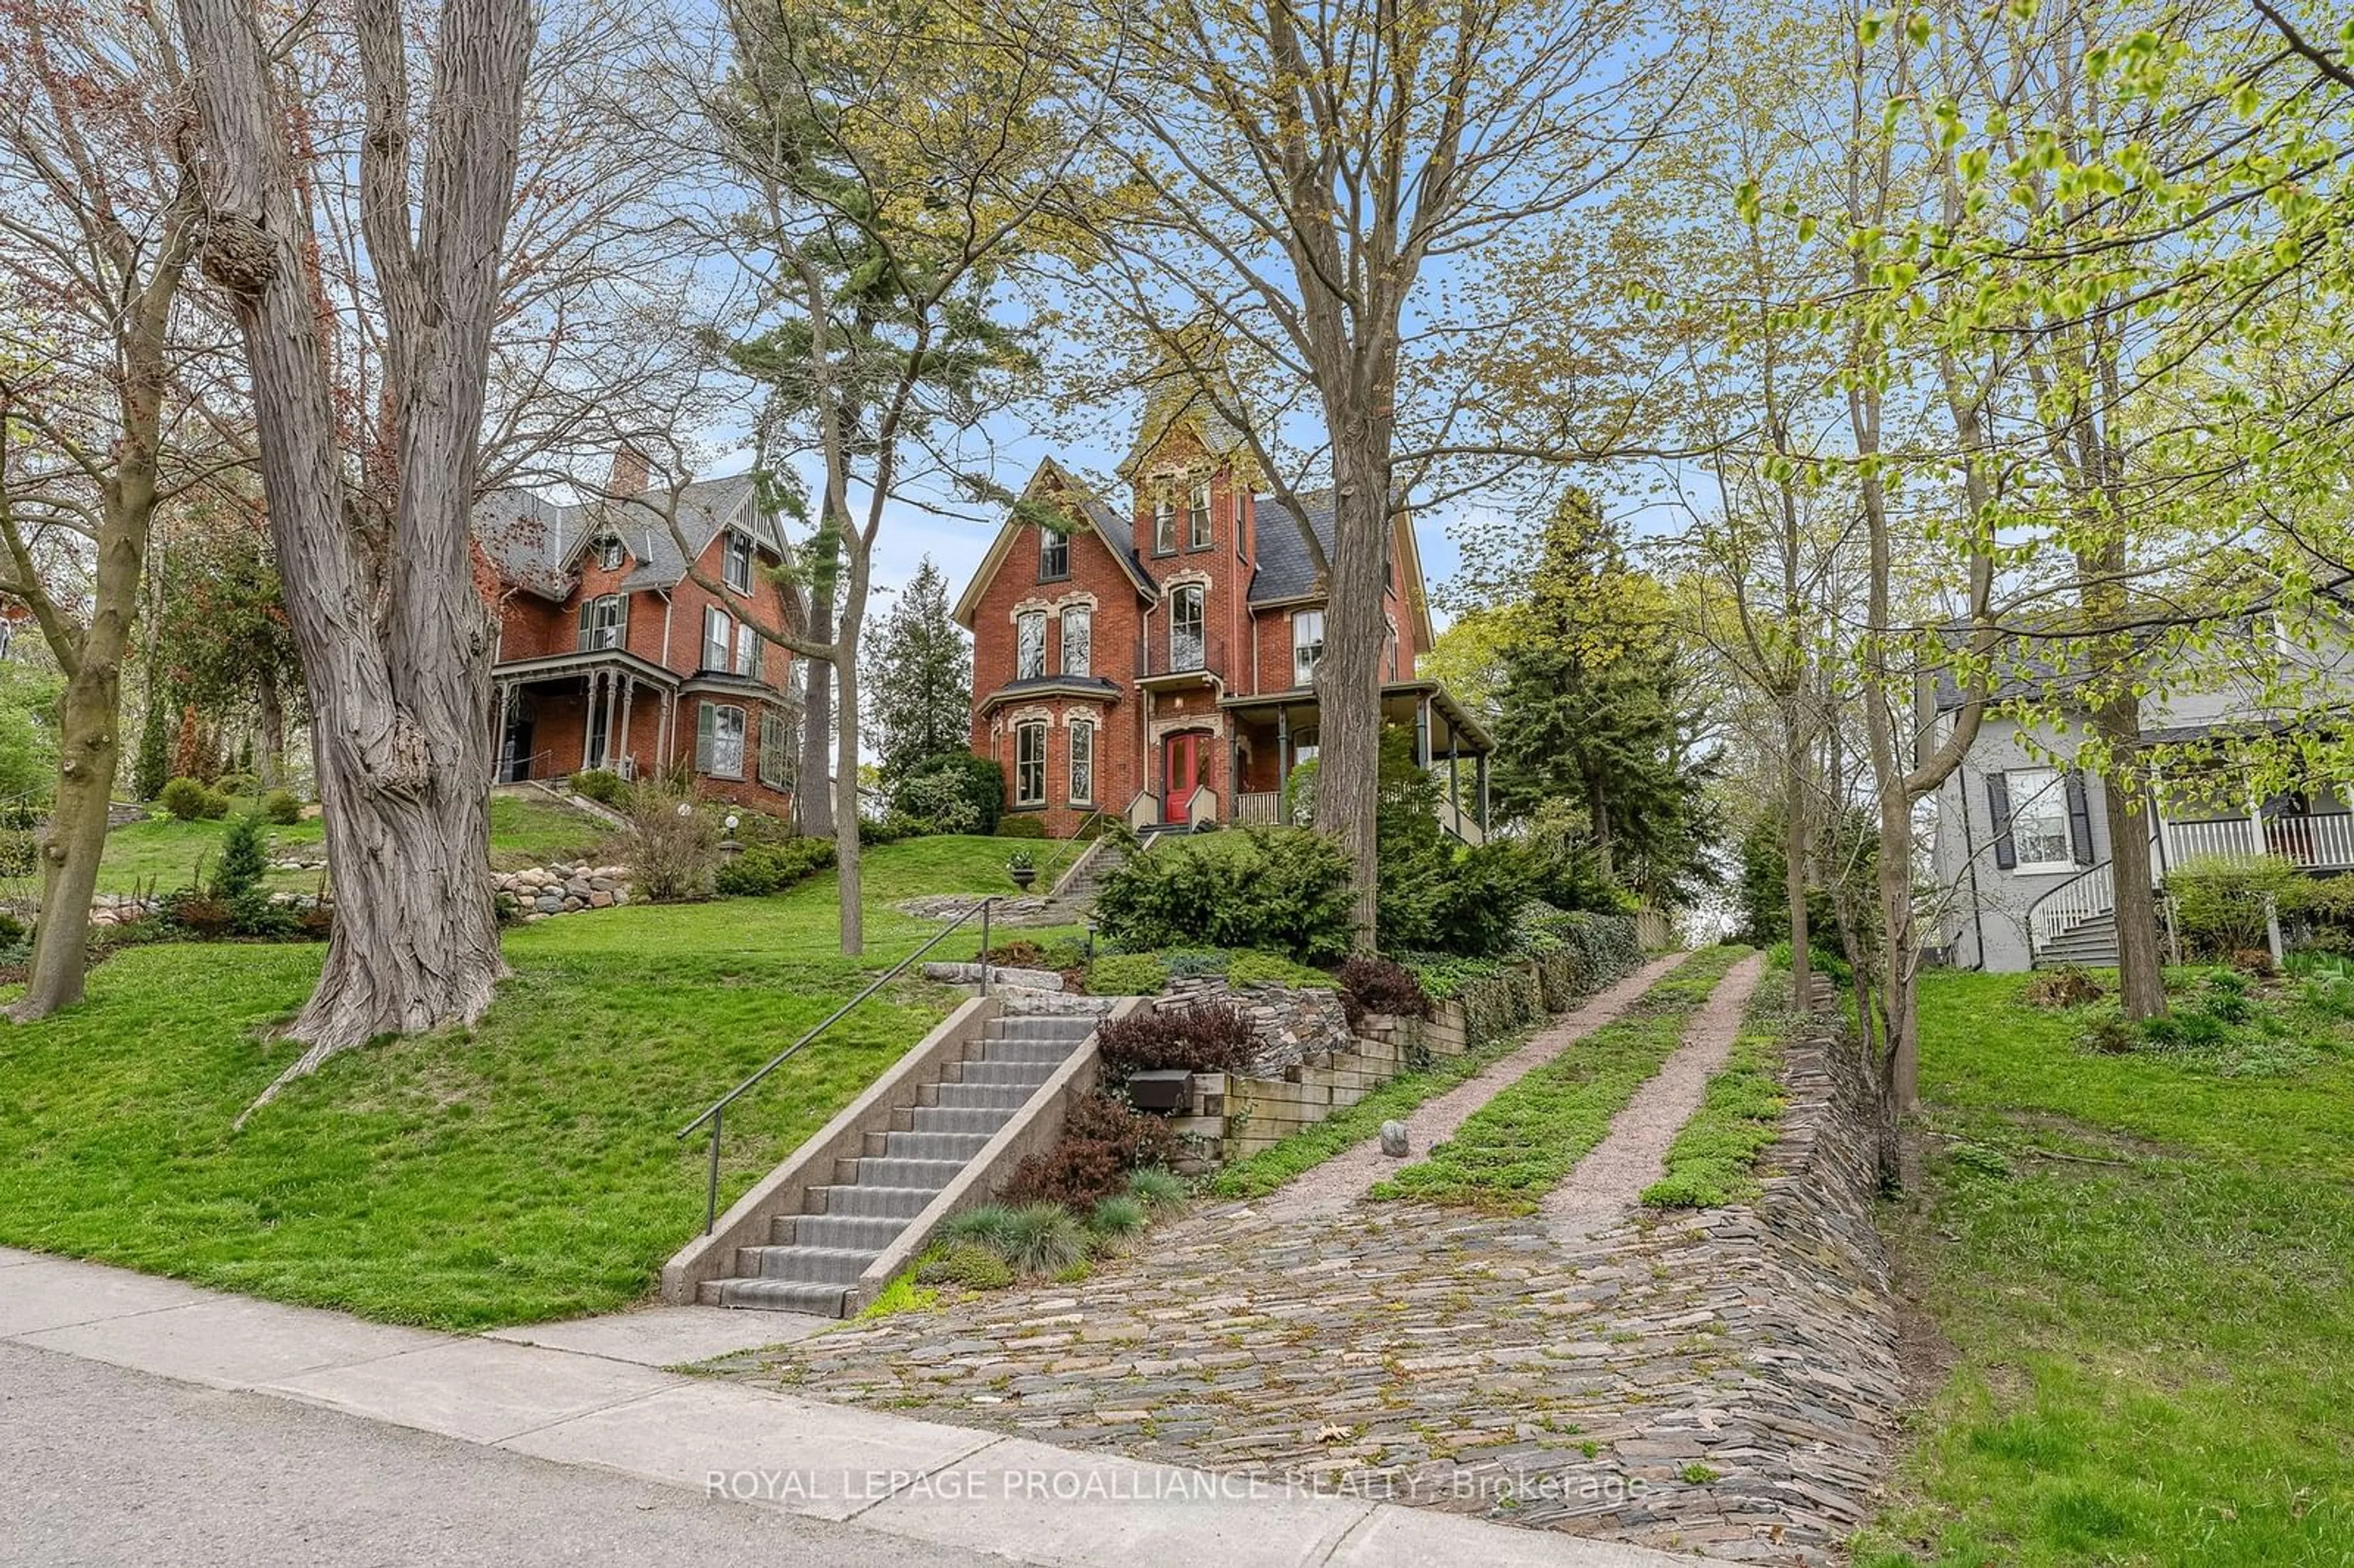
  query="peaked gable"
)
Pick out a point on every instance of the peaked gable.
point(1050, 481)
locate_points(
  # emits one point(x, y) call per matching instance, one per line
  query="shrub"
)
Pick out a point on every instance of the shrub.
point(1019, 954)
point(244, 857)
point(968, 1265)
point(981, 781)
point(1377, 985)
point(600, 785)
point(890, 829)
point(1127, 974)
point(191, 799)
point(1272, 969)
point(1118, 1218)
point(2221, 900)
point(1024, 825)
point(1031, 1238)
point(282, 806)
point(1137, 1140)
point(241, 785)
point(2066, 986)
point(1159, 1188)
point(769, 868)
point(19, 853)
point(1281, 889)
point(670, 845)
point(1208, 1038)
point(254, 912)
point(1075, 1173)
point(200, 915)
point(939, 799)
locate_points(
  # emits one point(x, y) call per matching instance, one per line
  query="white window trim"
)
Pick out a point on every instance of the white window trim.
point(1063, 623)
point(718, 620)
point(719, 712)
point(732, 542)
point(2057, 789)
point(1297, 617)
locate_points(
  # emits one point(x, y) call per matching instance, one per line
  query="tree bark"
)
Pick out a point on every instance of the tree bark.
point(397, 648)
point(2141, 978)
point(814, 787)
point(1349, 676)
point(269, 756)
point(1794, 869)
point(88, 750)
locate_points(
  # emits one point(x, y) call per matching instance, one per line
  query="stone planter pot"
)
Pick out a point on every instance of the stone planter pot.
point(1022, 876)
point(1161, 1090)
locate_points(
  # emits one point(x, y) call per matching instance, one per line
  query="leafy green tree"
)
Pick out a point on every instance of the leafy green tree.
point(919, 672)
point(28, 737)
point(1594, 709)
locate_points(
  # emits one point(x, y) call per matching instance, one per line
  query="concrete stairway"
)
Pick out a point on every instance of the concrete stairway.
point(2092, 945)
point(812, 1259)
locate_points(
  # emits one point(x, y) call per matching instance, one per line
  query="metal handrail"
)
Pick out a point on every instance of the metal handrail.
point(716, 1113)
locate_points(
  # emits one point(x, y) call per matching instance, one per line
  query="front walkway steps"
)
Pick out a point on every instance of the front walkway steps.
point(813, 1261)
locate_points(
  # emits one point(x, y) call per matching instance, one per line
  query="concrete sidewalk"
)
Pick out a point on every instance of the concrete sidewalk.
point(595, 1393)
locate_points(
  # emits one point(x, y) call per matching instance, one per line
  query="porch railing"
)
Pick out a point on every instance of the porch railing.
point(2080, 899)
point(2313, 841)
point(1259, 810)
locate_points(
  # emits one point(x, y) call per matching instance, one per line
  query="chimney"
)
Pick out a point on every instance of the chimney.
point(629, 470)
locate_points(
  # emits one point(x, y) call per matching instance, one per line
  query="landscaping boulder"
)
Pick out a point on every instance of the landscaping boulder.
point(1393, 1140)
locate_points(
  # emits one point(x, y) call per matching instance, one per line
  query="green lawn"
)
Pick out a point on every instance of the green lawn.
point(1520, 1145)
point(1739, 1116)
point(165, 851)
point(2146, 1272)
point(525, 1170)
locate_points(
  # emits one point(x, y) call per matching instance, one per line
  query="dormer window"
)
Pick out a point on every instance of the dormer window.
point(1164, 525)
point(610, 554)
point(738, 562)
point(1054, 555)
point(1197, 518)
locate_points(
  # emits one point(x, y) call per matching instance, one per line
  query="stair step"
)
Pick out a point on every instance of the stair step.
point(1026, 1074)
point(888, 1170)
point(775, 1296)
point(871, 1200)
point(1008, 1097)
point(851, 1233)
point(962, 1118)
point(1052, 1051)
point(810, 1265)
point(959, 1147)
point(1071, 1027)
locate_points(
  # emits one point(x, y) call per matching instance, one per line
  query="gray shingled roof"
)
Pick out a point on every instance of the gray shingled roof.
point(1117, 536)
point(532, 541)
point(1287, 568)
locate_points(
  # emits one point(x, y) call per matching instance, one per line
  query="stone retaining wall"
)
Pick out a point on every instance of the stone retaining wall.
point(544, 891)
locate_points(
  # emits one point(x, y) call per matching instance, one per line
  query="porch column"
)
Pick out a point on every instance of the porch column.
point(663, 724)
point(629, 694)
point(1283, 764)
point(2255, 820)
point(1235, 773)
point(1422, 732)
point(587, 707)
point(612, 705)
point(1479, 775)
point(1453, 780)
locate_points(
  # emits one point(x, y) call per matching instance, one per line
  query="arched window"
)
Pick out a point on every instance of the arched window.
point(1030, 645)
point(1083, 762)
point(1079, 641)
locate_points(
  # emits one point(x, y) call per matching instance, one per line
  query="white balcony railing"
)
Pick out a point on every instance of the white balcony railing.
point(2320, 840)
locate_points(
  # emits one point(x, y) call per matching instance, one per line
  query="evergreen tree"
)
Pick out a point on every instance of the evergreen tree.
point(1594, 710)
point(919, 675)
point(152, 769)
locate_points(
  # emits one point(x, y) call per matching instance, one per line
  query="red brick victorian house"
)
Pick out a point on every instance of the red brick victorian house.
point(1157, 662)
point(612, 655)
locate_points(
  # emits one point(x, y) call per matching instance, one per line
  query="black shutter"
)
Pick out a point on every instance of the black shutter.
point(588, 611)
point(2006, 854)
point(2079, 818)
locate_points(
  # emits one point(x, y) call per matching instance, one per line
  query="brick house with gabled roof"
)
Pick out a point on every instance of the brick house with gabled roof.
point(1157, 662)
point(612, 655)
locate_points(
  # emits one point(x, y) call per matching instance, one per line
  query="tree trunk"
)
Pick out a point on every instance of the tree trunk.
point(1794, 876)
point(269, 758)
point(849, 889)
point(1349, 676)
point(88, 749)
point(813, 793)
point(396, 647)
point(2141, 979)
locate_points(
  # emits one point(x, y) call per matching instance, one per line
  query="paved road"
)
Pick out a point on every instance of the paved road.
point(102, 1466)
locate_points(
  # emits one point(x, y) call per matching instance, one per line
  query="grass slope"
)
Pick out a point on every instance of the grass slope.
point(165, 851)
point(1740, 1112)
point(2154, 1355)
point(1519, 1146)
point(524, 1169)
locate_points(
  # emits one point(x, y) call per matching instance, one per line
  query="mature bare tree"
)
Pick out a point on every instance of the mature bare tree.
point(1315, 196)
point(98, 214)
point(372, 519)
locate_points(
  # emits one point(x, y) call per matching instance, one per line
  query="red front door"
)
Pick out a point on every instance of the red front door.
point(1181, 773)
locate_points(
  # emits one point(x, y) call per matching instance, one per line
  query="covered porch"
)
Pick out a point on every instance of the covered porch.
point(568, 713)
point(2208, 803)
point(1271, 734)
